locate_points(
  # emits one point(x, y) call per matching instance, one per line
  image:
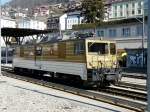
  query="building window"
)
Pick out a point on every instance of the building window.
point(133, 8)
point(101, 33)
point(115, 11)
point(139, 7)
point(115, 7)
point(133, 12)
point(133, 5)
point(127, 9)
point(139, 30)
point(112, 33)
point(121, 14)
point(127, 6)
point(121, 10)
point(139, 11)
point(115, 14)
point(75, 21)
point(126, 32)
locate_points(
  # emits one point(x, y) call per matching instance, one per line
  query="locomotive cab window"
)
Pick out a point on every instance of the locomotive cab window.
point(112, 48)
point(100, 48)
point(38, 51)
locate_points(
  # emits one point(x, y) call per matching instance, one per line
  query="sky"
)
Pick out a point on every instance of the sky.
point(4, 1)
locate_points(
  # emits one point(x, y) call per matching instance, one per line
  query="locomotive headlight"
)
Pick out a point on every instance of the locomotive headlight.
point(115, 63)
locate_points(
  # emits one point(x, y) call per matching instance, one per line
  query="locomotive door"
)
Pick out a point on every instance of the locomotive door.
point(38, 56)
point(62, 50)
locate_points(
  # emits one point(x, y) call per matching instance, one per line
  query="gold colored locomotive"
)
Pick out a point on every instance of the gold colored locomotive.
point(91, 61)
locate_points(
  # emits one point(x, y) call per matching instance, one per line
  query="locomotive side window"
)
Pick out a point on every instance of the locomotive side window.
point(38, 51)
point(79, 48)
point(101, 48)
point(21, 51)
point(112, 49)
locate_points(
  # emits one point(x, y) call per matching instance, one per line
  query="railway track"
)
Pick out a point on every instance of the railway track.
point(100, 96)
point(125, 92)
point(130, 75)
point(132, 86)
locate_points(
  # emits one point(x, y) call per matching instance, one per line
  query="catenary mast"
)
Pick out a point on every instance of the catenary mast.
point(148, 58)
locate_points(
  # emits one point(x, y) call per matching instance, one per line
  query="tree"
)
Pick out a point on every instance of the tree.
point(93, 10)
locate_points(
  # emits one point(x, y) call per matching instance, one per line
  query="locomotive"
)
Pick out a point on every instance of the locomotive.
point(90, 61)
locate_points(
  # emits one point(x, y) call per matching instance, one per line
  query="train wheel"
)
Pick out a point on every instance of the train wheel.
point(16, 70)
point(86, 85)
point(101, 84)
point(52, 75)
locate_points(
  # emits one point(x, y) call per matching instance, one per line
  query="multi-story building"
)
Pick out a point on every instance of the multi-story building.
point(120, 9)
point(16, 12)
point(42, 10)
point(8, 22)
point(30, 24)
point(73, 18)
point(130, 28)
point(127, 28)
point(65, 21)
point(53, 22)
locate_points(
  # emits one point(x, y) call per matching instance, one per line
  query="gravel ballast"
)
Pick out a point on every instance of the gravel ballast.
point(20, 96)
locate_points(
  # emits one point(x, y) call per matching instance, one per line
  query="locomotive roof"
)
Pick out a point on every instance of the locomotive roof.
point(22, 32)
point(80, 39)
point(57, 41)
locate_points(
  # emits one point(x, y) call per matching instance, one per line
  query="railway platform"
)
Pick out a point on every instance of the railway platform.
point(20, 96)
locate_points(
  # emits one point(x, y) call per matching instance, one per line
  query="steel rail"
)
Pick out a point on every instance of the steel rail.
point(6, 68)
point(136, 95)
point(107, 98)
point(120, 84)
point(132, 86)
point(130, 75)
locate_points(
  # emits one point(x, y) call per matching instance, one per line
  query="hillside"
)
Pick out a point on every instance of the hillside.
point(33, 3)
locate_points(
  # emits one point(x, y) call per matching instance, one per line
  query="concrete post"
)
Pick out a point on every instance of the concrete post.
point(6, 54)
point(0, 39)
point(148, 58)
point(143, 36)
